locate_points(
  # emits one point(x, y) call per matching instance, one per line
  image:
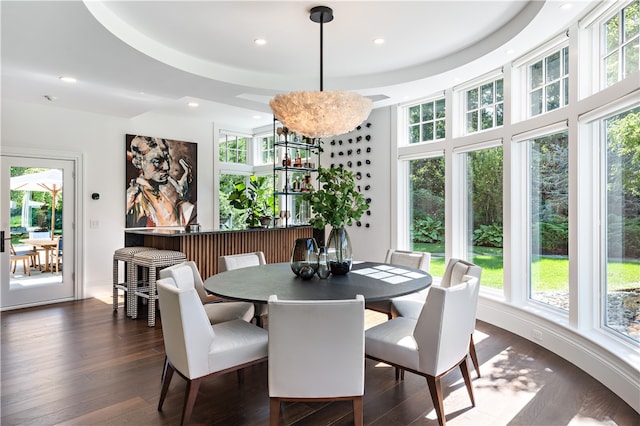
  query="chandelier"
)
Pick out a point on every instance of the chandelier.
point(321, 114)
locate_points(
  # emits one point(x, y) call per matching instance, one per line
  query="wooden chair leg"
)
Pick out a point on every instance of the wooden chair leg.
point(474, 357)
point(166, 380)
point(399, 373)
point(274, 411)
point(466, 375)
point(358, 411)
point(240, 374)
point(190, 399)
point(436, 396)
point(164, 369)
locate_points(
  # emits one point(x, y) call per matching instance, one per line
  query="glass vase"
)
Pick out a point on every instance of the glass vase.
point(323, 264)
point(339, 251)
point(304, 258)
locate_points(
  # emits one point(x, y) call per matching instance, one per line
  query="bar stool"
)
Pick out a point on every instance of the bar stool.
point(152, 260)
point(125, 255)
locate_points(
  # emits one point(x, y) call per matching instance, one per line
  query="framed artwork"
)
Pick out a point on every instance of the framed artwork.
point(161, 177)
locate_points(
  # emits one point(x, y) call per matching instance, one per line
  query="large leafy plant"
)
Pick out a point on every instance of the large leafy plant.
point(256, 199)
point(336, 202)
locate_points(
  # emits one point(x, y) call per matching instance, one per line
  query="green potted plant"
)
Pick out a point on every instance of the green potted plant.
point(255, 199)
point(337, 203)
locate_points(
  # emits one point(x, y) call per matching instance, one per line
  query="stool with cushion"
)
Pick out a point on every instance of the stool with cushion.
point(152, 260)
point(124, 254)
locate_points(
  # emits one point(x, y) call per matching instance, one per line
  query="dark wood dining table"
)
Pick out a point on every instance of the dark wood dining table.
point(374, 281)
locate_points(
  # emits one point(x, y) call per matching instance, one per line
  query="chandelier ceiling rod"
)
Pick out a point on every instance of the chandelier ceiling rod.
point(321, 14)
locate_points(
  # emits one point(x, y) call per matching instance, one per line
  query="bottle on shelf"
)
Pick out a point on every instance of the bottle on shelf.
point(286, 161)
point(298, 161)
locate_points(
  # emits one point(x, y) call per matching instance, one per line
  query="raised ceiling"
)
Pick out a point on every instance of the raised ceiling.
point(134, 57)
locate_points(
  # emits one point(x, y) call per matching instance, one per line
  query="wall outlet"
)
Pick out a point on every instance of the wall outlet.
point(536, 334)
point(94, 224)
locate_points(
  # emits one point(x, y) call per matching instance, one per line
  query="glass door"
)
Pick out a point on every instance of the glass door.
point(36, 216)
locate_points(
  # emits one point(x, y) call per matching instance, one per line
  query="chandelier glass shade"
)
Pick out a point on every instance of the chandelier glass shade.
point(321, 114)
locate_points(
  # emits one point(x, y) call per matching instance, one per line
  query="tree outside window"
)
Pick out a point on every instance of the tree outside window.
point(549, 220)
point(427, 121)
point(623, 223)
point(426, 189)
point(484, 106)
point(549, 83)
point(621, 44)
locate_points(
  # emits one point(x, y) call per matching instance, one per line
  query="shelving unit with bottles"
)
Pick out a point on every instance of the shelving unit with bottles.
point(295, 163)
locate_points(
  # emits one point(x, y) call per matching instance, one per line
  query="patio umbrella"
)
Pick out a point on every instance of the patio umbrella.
point(50, 180)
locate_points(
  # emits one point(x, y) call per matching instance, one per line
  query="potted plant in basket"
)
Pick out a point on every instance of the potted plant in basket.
point(336, 202)
point(255, 199)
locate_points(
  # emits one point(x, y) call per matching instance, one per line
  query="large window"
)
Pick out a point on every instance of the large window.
point(623, 222)
point(484, 214)
point(549, 82)
point(549, 220)
point(427, 121)
point(621, 44)
point(233, 149)
point(484, 106)
point(426, 189)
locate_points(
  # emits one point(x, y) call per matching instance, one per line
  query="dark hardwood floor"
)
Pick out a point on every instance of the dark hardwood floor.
point(77, 363)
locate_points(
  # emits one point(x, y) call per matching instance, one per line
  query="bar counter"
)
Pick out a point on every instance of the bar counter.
point(205, 247)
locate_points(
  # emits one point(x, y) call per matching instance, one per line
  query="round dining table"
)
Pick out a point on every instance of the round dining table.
point(374, 281)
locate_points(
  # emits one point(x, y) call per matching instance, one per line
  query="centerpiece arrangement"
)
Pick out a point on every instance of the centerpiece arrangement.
point(337, 203)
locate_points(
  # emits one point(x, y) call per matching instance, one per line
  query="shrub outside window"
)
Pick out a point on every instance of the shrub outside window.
point(622, 299)
point(549, 220)
point(427, 198)
point(484, 214)
point(484, 106)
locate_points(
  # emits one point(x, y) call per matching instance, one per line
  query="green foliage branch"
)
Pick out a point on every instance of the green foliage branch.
point(336, 201)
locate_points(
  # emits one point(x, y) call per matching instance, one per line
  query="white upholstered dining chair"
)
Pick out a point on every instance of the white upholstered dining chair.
point(432, 345)
point(244, 260)
point(316, 352)
point(186, 275)
point(198, 350)
point(456, 272)
point(412, 259)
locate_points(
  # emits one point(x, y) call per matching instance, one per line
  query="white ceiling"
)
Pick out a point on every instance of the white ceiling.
point(134, 57)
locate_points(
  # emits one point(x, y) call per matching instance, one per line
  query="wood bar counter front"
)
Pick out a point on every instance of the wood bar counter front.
point(205, 247)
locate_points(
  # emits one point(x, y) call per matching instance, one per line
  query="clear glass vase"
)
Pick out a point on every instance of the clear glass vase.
point(323, 264)
point(304, 257)
point(339, 251)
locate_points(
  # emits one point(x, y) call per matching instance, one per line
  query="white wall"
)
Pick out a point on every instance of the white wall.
point(369, 243)
point(100, 139)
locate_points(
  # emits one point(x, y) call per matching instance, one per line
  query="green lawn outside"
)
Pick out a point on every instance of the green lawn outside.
point(553, 271)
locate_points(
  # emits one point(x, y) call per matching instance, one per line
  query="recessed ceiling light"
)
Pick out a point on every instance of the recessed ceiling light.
point(378, 40)
point(259, 41)
point(257, 117)
point(510, 52)
point(566, 6)
point(193, 104)
point(67, 79)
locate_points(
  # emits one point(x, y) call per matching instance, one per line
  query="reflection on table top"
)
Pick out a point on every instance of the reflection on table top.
point(374, 281)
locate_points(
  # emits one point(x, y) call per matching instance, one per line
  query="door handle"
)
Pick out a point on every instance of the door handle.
point(1, 241)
